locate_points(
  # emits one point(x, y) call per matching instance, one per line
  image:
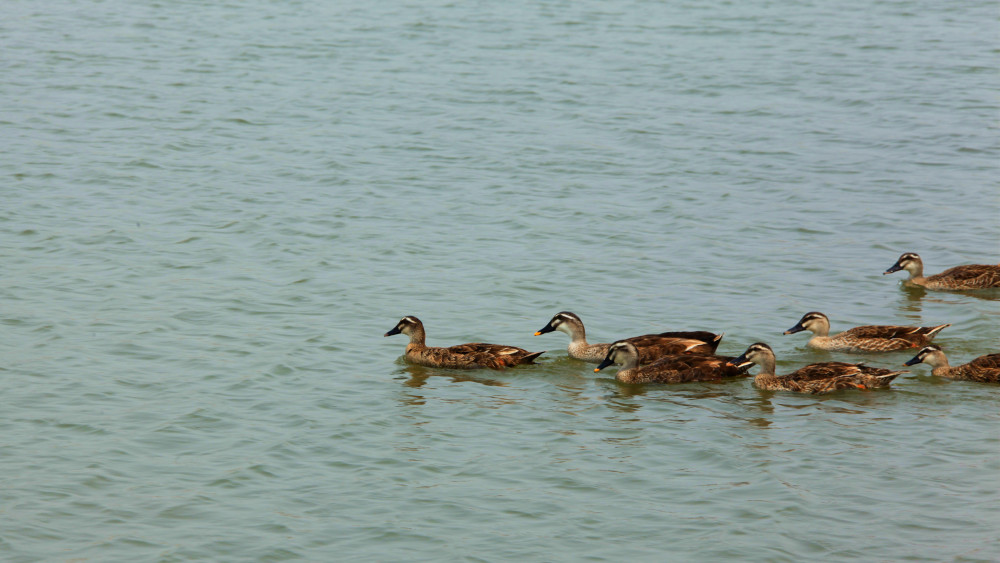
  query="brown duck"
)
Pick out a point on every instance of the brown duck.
point(870, 338)
point(650, 346)
point(474, 355)
point(984, 369)
point(970, 276)
point(814, 378)
point(668, 369)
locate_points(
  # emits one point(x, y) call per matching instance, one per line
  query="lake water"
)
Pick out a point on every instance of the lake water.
point(211, 212)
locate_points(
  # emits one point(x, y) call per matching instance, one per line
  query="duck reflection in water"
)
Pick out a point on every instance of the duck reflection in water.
point(418, 376)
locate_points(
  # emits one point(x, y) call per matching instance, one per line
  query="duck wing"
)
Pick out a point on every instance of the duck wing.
point(970, 275)
point(653, 346)
point(831, 376)
point(680, 368)
point(494, 356)
point(984, 369)
point(891, 337)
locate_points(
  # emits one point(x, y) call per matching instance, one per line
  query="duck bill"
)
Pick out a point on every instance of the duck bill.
point(895, 268)
point(607, 362)
point(392, 332)
point(794, 329)
point(739, 361)
point(545, 329)
point(913, 361)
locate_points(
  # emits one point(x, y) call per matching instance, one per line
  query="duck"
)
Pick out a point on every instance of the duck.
point(650, 346)
point(474, 355)
point(984, 369)
point(673, 368)
point(870, 338)
point(969, 276)
point(814, 378)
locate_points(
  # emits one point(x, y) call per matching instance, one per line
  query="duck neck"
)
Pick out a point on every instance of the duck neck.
point(631, 363)
point(416, 340)
point(577, 334)
point(766, 366)
point(766, 380)
point(578, 346)
point(822, 330)
point(940, 366)
point(628, 373)
point(916, 270)
point(818, 341)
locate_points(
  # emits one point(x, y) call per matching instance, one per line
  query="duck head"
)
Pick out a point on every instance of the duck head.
point(407, 325)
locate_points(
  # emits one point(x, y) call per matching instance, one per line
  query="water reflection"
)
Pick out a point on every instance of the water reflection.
point(912, 297)
point(628, 391)
point(983, 294)
point(418, 376)
point(912, 300)
point(760, 402)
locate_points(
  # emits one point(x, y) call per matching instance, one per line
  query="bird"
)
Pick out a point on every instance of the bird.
point(870, 338)
point(650, 346)
point(674, 368)
point(814, 378)
point(984, 369)
point(474, 355)
point(969, 276)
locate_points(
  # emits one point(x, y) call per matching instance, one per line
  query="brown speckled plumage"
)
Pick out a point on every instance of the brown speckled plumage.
point(971, 276)
point(984, 369)
point(871, 338)
point(474, 355)
point(650, 346)
point(814, 378)
point(668, 369)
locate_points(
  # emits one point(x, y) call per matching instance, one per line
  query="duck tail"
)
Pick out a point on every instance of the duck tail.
point(530, 358)
point(932, 331)
point(887, 377)
point(715, 341)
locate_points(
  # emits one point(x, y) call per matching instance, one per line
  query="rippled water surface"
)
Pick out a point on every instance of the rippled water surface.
point(213, 211)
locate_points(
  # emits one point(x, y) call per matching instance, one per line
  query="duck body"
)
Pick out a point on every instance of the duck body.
point(984, 369)
point(674, 368)
point(824, 377)
point(969, 276)
point(870, 338)
point(650, 346)
point(473, 355)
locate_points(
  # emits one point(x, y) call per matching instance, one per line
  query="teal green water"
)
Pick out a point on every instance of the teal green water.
point(212, 212)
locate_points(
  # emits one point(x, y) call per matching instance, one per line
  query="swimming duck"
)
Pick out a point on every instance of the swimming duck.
point(675, 368)
point(970, 276)
point(474, 355)
point(984, 369)
point(871, 338)
point(650, 346)
point(814, 378)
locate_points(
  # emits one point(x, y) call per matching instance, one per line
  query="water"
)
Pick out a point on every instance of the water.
point(212, 212)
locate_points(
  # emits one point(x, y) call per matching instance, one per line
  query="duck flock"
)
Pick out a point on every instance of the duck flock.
point(678, 357)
